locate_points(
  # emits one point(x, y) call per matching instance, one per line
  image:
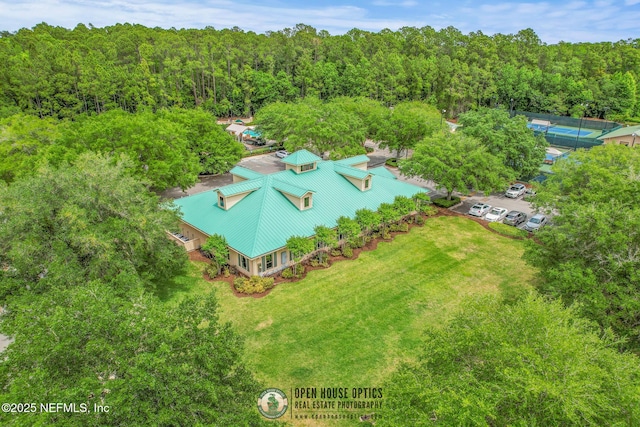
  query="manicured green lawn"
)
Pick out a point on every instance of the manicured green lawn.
point(351, 324)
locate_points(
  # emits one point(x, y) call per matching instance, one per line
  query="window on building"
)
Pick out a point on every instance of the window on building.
point(307, 202)
point(221, 201)
point(306, 167)
point(366, 183)
point(243, 262)
point(269, 261)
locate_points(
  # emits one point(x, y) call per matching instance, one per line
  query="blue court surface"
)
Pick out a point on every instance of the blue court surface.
point(560, 130)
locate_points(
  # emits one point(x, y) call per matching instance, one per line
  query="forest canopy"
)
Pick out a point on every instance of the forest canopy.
point(57, 72)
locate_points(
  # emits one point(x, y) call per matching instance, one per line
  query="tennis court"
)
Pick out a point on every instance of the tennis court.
point(560, 130)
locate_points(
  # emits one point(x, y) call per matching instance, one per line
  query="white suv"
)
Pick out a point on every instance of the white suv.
point(515, 191)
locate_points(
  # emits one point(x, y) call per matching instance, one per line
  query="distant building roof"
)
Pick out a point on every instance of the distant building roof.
point(236, 128)
point(625, 131)
point(263, 220)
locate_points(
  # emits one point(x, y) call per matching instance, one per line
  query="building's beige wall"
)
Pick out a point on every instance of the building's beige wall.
point(362, 166)
point(623, 140)
point(232, 200)
point(237, 178)
point(299, 201)
point(229, 201)
point(359, 183)
point(195, 236)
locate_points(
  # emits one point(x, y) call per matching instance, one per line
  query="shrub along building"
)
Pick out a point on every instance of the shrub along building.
point(257, 213)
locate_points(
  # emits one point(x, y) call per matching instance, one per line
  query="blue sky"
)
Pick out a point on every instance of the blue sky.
point(552, 20)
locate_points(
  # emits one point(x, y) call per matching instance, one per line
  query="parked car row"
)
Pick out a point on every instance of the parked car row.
point(514, 218)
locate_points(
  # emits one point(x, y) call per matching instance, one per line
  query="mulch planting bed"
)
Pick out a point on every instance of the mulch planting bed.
point(371, 245)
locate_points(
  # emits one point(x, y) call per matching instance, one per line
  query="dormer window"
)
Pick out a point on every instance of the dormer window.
point(307, 167)
point(221, 201)
point(366, 183)
point(307, 201)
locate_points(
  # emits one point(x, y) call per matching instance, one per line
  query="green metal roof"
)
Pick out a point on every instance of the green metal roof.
point(352, 172)
point(382, 171)
point(625, 131)
point(350, 161)
point(245, 173)
point(263, 221)
point(241, 187)
point(294, 190)
point(301, 157)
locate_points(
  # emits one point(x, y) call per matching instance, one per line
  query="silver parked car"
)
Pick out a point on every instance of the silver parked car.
point(515, 191)
point(479, 209)
point(282, 154)
point(536, 222)
point(515, 218)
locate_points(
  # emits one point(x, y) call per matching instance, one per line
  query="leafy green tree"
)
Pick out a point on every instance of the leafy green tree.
point(589, 256)
point(404, 205)
point(507, 138)
point(299, 247)
point(218, 248)
point(388, 215)
point(150, 363)
point(23, 139)
point(406, 125)
point(531, 362)
point(349, 229)
point(158, 147)
point(368, 220)
point(217, 150)
point(313, 125)
point(91, 221)
point(325, 237)
point(421, 199)
point(457, 162)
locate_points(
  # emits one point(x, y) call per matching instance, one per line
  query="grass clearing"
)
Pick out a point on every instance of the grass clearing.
point(350, 325)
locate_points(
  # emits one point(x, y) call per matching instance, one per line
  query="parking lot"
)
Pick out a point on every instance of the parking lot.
point(496, 200)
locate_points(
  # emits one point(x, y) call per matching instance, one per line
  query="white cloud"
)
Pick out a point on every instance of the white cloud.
point(552, 20)
point(406, 3)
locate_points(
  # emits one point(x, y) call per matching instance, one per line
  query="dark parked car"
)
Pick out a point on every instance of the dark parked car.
point(515, 218)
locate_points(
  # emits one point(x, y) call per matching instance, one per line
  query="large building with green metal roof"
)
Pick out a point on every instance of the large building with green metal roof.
point(257, 213)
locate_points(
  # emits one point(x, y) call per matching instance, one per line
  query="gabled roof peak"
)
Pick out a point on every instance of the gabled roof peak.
point(301, 157)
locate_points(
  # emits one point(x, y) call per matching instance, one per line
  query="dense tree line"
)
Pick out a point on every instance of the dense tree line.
point(53, 71)
point(591, 256)
point(168, 148)
point(83, 252)
point(529, 362)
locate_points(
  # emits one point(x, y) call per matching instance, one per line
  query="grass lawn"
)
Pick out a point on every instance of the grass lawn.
point(351, 324)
